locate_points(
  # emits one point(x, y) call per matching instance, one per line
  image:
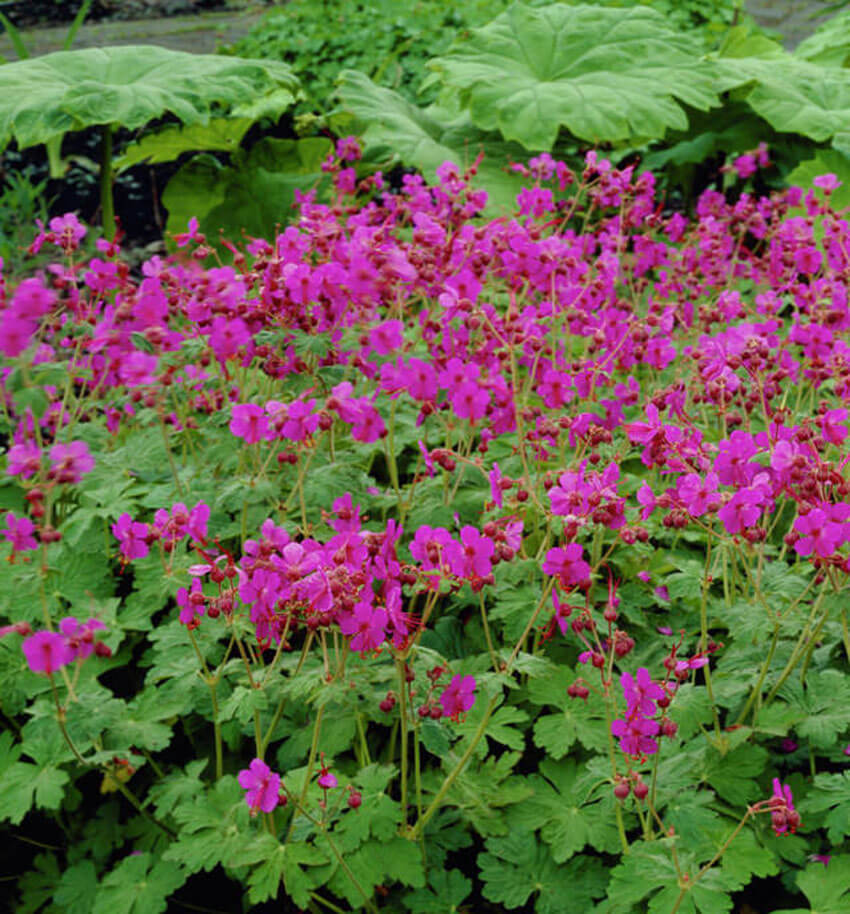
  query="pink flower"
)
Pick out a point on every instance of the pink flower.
point(249, 422)
point(15, 334)
point(635, 734)
point(191, 603)
point(23, 460)
point(67, 231)
point(46, 652)
point(366, 626)
point(326, 780)
point(133, 537)
point(567, 563)
point(742, 510)
point(641, 693)
point(819, 534)
point(181, 239)
point(458, 696)
point(19, 532)
point(262, 786)
point(828, 182)
point(386, 338)
point(70, 462)
point(471, 559)
point(469, 401)
point(495, 478)
point(79, 637)
point(784, 817)
point(745, 165)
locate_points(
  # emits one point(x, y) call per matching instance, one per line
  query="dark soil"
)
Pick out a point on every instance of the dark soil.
point(32, 13)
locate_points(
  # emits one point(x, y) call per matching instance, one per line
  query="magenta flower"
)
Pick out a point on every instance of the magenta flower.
point(820, 535)
point(827, 182)
point(641, 692)
point(46, 652)
point(197, 524)
point(635, 734)
point(366, 626)
point(386, 338)
point(326, 779)
point(301, 421)
point(15, 335)
point(469, 400)
point(80, 637)
point(192, 603)
point(495, 477)
point(784, 818)
point(249, 422)
point(471, 559)
point(19, 532)
point(132, 536)
point(567, 563)
point(742, 510)
point(458, 696)
point(70, 462)
point(262, 786)
point(67, 231)
point(23, 460)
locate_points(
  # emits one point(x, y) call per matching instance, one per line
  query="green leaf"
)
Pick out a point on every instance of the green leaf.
point(831, 794)
point(129, 86)
point(826, 161)
point(827, 888)
point(424, 138)
point(214, 829)
point(179, 788)
point(374, 863)
point(24, 784)
point(516, 867)
point(500, 727)
point(37, 885)
point(282, 863)
point(648, 870)
point(482, 790)
point(77, 889)
point(139, 884)
point(166, 145)
point(733, 774)
point(825, 705)
point(561, 809)
point(792, 95)
point(446, 891)
point(577, 720)
point(252, 196)
point(605, 75)
point(829, 46)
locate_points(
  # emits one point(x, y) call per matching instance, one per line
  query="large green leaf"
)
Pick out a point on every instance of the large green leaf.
point(791, 94)
point(829, 46)
point(603, 74)
point(46, 96)
point(166, 145)
point(826, 161)
point(254, 195)
point(518, 866)
point(425, 138)
point(826, 887)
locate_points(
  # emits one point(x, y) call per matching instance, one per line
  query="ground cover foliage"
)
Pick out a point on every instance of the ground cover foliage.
point(477, 540)
point(419, 561)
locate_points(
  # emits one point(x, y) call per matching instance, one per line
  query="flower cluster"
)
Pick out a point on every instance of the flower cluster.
point(637, 729)
point(47, 651)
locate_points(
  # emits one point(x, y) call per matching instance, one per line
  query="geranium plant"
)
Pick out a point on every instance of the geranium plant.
point(421, 562)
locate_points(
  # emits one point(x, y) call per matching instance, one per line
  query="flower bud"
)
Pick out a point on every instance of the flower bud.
point(622, 789)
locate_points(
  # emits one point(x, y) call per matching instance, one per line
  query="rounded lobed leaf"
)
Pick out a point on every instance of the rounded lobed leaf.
point(69, 90)
point(603, 74)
